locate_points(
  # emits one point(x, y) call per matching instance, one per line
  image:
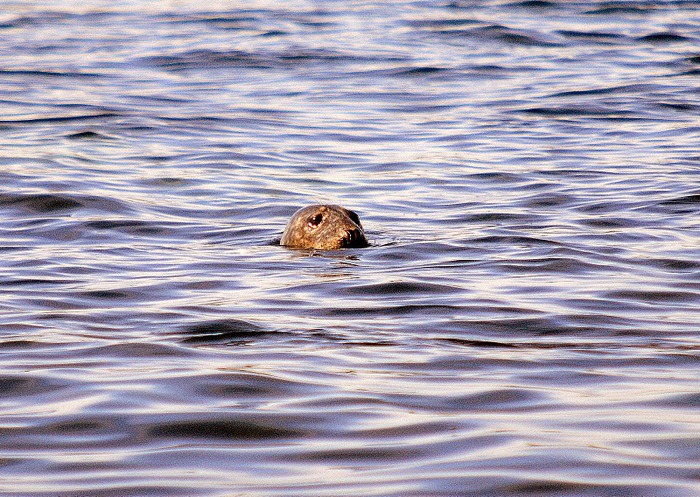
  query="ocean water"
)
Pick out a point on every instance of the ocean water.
point(526, 320)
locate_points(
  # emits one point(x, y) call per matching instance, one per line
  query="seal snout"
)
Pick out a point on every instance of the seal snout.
point(354, 238)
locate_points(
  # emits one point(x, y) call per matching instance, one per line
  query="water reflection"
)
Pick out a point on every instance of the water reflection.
point(522, 322)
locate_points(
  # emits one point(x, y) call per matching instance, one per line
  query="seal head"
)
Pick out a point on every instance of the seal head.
point(324, 227)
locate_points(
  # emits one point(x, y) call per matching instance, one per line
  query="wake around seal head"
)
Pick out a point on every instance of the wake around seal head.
point(324, 227)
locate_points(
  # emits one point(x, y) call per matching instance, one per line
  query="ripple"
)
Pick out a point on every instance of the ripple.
point(88, 135)
point(273, 60)
point(653, 296)
point(500, 400)
point(665, 37)
point(602, 37)
point(58, 119)
point(620, 8)
point(132, 227)
point(41, 202)
point(23, 386)
point(49, 202)
point(399, 288)
point(685, 199)
point(224, 428)
point(500, 34)
point(224, 331)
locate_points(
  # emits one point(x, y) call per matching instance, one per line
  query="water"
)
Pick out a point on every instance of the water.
point(525, 322)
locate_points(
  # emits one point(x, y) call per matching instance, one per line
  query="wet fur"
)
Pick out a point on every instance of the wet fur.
point(324, 227)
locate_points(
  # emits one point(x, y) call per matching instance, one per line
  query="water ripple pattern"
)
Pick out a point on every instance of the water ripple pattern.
point(525, 322)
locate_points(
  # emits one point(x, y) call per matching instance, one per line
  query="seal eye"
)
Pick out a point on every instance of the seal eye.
point(316, 220)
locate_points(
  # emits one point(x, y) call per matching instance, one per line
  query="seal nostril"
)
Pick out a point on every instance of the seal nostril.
point(353, 237)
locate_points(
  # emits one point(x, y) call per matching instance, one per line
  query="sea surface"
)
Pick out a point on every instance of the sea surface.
point(526, 320)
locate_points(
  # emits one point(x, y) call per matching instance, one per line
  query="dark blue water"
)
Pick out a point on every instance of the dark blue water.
point(525, 322)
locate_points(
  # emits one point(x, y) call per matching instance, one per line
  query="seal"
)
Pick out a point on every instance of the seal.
point(324, 227)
